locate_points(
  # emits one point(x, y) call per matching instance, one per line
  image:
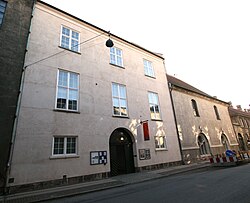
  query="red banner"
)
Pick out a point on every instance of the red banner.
point(145, 131)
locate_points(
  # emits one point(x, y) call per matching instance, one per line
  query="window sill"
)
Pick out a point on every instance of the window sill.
point(149, 76)
point(116, 116)
point(76, 52)
point(117, 65)
point(63, 156)
point(153, 119)
point(66, 111)
point(161, 149)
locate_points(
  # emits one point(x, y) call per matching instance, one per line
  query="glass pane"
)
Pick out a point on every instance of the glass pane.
point(119, 61)
point(122, 92)
point(58, 145)
point(62, 93)
point(161, 142)
point(124, 111)
point(61, 103)
point(115, 90)
point(112, 50)
point(118, 52)
point(123, 103)
point(73, 94)
point(150, 98)
point(73, 81)
point(65, 31)
point(71, 145)
point(65, 42)
point(1, 20)
point(74, 45)
point(2, 3)
point(112, 59)
point(75, 35)
point(2, 9)
point(73, 104)
point(116, 102)
point(63, 78)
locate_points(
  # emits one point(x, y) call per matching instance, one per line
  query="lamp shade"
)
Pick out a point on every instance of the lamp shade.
point(109, 43)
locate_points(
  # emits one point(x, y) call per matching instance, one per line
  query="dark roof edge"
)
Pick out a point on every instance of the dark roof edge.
point(205, 95)
point(102, 30)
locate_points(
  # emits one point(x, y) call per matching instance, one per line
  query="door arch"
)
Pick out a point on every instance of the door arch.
point(121, 152)
point(203, 145)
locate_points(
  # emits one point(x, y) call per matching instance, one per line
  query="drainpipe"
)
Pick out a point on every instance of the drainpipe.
point(170, 87)
point(13, 136)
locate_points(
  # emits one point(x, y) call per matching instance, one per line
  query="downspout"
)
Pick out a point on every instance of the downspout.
point(170, 87)
point(14, 130)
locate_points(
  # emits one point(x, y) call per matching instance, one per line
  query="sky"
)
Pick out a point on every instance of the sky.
point(205, 43)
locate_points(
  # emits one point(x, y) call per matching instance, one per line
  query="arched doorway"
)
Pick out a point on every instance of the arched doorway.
point(224, 142)
point(203, 145)
point(241, 142)
point(121, 152)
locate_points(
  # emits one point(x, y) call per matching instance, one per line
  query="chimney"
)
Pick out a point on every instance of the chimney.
point(239, 107)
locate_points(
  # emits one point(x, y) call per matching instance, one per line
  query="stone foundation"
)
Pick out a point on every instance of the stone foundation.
point(157, 166)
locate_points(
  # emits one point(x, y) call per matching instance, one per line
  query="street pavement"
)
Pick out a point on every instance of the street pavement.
point(93, 186)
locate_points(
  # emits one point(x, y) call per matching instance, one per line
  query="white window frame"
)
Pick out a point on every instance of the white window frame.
point(154, 105)
point(3, 5)
point(148, 68)
point(116, 56)
point(157, 145)
point(64, 154)
point(68, 88)
point(119, 99)
point(70, 39)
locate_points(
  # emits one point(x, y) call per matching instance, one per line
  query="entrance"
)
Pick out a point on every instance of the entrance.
point(121, 152)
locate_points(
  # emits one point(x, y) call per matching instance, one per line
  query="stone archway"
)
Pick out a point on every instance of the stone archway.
point(121, 152)
point(241, 142)
point(203, 144)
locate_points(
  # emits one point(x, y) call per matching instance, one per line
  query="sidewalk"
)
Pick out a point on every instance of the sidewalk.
point(86, 187)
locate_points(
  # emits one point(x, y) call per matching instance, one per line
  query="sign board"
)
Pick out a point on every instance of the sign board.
point(144, 154)
point(98, 157)
point(230, 153)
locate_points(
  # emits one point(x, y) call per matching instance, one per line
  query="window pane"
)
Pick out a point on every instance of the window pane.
point(65, 42)
point(2, 3)
point(74, 45)
point(119, 61)
point(2, 9)
point(116, 108)
point(65, 31)
point(115, 90)
point(118, 52)
point(58, 145)
point(150, 98)
point(75, 35)
point(112, 50)
point(122, 92)
point(71, 145)
point(112, 59)
point(62, 92)
point(73, 81)
point(123, 103)
point(63, 78)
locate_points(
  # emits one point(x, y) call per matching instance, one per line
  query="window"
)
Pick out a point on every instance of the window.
point(203, 145)
point(65, 146)
point(148, 68)
point(216, 113)
point(160, 142)
point(2, 10)
point(67, 90)
point(116, 56)
point(224, 142)
point(70, 39)
point(119, 100)
point(154, 106)
point(195, 108)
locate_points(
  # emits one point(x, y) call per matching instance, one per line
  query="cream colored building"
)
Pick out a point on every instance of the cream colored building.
point(88, 111)
point(203, 122)
point(241, 123)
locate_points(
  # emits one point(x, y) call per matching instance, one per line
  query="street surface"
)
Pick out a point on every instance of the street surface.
point(229, 185)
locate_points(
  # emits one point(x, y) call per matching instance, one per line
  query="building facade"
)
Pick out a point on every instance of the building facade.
point(88, 111)
point(15, 19)
point(203, 122)
point(241, 123)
